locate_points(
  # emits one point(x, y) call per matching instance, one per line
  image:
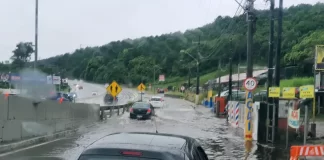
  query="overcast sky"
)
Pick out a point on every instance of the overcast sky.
point(65, 25)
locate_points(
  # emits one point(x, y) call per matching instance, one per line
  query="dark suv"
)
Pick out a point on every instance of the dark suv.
point(144, 146)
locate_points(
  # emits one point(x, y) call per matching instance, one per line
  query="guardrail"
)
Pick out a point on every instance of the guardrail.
point(119, 109)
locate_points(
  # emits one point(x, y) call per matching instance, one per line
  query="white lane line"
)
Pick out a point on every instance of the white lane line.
point(33, 146)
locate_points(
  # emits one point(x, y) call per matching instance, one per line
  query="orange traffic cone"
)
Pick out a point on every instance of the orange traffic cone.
point(6, 95)
point(61, 100)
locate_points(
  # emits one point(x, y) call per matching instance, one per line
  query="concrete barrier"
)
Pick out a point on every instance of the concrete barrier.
point(22, 118)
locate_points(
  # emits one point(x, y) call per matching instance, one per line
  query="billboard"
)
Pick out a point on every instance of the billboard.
point(161, 78)
point(319, 57)
point(54, 80)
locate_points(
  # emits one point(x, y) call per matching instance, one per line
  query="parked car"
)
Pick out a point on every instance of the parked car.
point(144, 146)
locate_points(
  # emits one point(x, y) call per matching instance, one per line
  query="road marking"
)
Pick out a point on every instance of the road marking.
point(33, 146)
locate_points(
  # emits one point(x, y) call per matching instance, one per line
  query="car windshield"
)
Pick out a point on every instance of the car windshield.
point(141, 105)
point(155, 99)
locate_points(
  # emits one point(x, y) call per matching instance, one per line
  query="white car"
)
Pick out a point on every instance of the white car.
point(157, 102)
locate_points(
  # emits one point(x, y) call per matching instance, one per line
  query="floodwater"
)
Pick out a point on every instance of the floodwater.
point(177, 117)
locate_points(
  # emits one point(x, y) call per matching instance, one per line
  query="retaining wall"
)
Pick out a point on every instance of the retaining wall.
point(22, 118)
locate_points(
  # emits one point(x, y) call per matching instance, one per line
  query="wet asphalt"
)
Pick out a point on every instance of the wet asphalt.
point(177, 117)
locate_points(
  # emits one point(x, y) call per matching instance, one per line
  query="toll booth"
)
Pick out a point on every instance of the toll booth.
point(220, 104)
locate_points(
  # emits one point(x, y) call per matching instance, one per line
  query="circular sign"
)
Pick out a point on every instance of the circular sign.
point(250, 84)
point(182, 88)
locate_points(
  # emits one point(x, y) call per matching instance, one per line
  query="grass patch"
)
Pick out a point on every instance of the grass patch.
point(297, 82)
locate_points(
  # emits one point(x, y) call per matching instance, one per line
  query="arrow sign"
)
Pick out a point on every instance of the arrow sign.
point(141, 87)
point(114, 89)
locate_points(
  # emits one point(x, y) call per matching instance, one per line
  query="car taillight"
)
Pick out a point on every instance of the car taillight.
point(131, 153)
point(131, 110)
point(149, 111)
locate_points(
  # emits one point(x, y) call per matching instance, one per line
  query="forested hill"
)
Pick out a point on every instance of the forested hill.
point(133, 60)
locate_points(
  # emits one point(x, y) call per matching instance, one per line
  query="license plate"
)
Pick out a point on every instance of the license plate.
point(138, 116)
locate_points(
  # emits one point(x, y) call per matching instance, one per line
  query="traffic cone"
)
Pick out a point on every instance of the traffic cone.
point(61, 100)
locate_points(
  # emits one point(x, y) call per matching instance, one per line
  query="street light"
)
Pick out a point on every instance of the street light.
point(197, 85)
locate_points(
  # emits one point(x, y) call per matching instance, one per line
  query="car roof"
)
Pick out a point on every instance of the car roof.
point(159, 143)
point(143, 138)
point(142, 103)
point(156, 97)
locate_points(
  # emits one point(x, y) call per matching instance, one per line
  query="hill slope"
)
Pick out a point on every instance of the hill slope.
point(135, 60)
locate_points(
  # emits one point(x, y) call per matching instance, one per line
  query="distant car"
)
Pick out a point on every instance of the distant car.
point(94, 93)
point(141, 110)
point(109, 99)
point(60, 95)
point(80, 87)
point(144, 146)
point(157, 102)
point(160, 90)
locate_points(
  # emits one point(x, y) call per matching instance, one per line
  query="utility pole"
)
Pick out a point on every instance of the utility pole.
point(249, 73)
point(230, 80)
point(197, 85)
point(36, 34)
point(277, 67)
point(250, 19)
point(270, 78)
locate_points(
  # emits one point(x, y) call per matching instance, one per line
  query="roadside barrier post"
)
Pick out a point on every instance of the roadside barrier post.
point(249, 84)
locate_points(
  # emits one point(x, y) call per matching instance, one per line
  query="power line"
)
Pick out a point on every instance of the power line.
point(229, 26)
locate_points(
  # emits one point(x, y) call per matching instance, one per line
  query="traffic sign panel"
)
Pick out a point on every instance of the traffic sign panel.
point(182, 88)
point(114, 89)
point(250, 84)
point(141, 87)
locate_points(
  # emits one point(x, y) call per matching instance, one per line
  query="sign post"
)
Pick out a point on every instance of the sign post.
point(249, 84)
point(182, 89)
point(308, 92)
point(141, 87)
point(114, 89)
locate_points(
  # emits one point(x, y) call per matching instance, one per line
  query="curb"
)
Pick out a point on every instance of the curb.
point(34, 141)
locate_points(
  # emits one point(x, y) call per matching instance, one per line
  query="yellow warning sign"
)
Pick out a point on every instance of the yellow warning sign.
point(114, 89)
point(141, 87)
point(274, 92)
point(306, 91)
point(289, 92)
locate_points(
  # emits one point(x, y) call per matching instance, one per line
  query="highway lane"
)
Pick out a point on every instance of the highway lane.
point(85, 94)
point(178, 117)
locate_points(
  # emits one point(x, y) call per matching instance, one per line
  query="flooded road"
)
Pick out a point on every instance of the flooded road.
point(177, 117)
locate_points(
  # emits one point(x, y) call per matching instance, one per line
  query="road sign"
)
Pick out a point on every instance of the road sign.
point(182, 88)
point(250, 84)
point(289, 92)
point(248, 116)
point(306, 91)
point(141, 87)
point(114, 89)
point(274, 92)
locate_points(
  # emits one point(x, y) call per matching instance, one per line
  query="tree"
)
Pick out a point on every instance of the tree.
point(133, 60)
point(22, 54)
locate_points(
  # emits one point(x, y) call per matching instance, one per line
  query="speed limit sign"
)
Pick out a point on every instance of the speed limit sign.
point(250, 84)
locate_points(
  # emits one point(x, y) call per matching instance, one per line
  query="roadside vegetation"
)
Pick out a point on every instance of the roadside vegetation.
point(136, 60)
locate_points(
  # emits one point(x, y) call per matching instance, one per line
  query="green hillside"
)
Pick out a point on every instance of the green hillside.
point(135, 60)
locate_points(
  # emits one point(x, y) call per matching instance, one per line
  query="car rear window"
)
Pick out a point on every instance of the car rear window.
point(155, 99)
point(94, 157)
point(141, 105)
